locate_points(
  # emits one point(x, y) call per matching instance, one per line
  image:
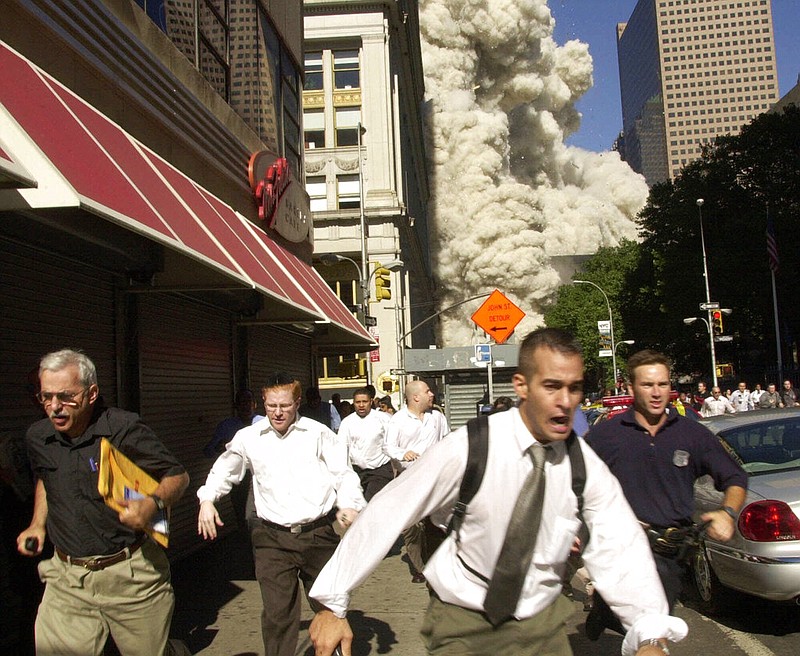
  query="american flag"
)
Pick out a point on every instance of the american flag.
point(772, 246)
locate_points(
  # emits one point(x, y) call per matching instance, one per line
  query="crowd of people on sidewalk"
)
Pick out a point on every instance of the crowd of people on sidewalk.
point(742, 399)
point(332, 485)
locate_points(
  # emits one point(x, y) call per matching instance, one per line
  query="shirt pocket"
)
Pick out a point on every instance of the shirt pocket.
point(561, 539)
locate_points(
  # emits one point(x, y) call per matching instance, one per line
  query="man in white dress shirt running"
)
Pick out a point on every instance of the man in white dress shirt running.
point(549, 383)
point(301, 476)
point(364, 431)
point(413, 430)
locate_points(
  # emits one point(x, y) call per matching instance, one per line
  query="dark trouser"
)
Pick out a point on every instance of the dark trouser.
point(670, 571)
point(374, 480)
point(283, 559)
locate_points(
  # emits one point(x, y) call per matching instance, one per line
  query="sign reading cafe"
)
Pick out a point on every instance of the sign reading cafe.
point(282, 202)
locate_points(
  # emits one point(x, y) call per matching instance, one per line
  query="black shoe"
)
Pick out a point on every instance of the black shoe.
point(419, 577)
point(595, 624)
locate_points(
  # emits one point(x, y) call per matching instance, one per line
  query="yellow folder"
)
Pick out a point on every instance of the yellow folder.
point(119, 478)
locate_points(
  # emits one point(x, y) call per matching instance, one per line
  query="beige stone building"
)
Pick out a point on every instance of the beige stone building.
point(367, 177)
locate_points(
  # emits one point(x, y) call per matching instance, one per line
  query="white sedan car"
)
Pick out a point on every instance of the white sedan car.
point(763, 558)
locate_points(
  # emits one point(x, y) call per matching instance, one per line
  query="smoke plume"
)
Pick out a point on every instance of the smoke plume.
point(508, 194)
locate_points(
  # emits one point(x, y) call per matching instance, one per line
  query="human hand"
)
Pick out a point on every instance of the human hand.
point(650, 650)
point(410, 455)
point(722, 526)
point(208, 520)
point(328, 631)
point(137, 513)
point(31, 541)
point(345, 517)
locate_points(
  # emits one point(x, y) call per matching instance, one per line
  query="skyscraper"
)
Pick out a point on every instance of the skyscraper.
point(690, 71)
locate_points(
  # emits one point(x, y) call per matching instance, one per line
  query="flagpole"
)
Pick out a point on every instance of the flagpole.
point(777, 329)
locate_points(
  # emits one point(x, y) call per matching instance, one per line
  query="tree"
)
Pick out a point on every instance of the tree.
point(578, 308)
point(652, 286)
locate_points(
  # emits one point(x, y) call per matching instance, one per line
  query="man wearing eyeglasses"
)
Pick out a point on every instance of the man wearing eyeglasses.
point(302, 482)
point(106, 576)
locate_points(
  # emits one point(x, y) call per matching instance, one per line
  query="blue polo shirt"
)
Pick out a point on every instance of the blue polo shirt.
point(657, 473)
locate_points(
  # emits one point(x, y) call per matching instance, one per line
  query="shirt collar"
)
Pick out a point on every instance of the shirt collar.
point(628, 417)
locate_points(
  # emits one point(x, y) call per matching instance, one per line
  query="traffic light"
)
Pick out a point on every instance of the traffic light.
point(383, 283)
point(716, 322)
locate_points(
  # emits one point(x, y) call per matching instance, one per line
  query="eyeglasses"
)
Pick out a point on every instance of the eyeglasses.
point(64, 398)
point(273, 407)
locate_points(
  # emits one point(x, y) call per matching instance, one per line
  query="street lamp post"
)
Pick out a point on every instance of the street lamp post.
point(610, 326)
point(691, 320)
point(363, 282)
point(699, 203)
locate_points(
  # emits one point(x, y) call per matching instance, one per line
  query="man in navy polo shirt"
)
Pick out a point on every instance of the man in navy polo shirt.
point(656, 454)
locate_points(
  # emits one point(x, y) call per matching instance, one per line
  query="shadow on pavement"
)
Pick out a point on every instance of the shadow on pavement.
point(203, 584)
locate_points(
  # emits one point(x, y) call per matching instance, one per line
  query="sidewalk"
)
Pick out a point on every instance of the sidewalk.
point(218, 606)
point(218, 609)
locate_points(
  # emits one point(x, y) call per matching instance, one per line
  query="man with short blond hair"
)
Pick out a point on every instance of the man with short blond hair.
point(657, 455)
point(301, 482)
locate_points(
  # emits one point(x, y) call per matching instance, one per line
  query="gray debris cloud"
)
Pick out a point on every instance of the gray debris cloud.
point(508, 194)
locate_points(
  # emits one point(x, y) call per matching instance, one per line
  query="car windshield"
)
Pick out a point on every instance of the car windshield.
point(765, 447)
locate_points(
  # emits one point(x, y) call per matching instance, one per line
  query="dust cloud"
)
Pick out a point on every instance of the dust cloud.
point(508, 195)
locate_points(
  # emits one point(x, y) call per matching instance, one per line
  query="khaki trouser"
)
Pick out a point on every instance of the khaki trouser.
point(449, 630)
point(133, 600)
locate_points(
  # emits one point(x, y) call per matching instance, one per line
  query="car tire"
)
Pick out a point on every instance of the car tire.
point(713, 598)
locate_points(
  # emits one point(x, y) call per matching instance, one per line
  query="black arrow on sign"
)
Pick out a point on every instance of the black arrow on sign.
point(496, 328)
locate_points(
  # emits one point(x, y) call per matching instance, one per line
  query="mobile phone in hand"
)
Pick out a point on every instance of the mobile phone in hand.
point(337, 651)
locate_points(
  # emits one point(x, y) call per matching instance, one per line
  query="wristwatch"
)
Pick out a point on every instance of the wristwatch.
point(655, 642)
point(730, 512)
point(160, 505)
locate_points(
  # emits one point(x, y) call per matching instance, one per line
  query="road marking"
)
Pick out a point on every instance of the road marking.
point(744, 641)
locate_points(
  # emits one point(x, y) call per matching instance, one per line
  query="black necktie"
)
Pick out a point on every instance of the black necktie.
point(517, 552)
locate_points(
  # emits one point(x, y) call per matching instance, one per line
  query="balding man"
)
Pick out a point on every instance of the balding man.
point(412, 431)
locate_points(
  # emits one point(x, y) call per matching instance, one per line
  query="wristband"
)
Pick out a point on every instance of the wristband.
point(655, 642)
point(160, 505)
point(731, 512)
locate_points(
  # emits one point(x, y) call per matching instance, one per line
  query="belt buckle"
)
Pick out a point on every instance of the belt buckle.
point(296, 528)
point(92, 564)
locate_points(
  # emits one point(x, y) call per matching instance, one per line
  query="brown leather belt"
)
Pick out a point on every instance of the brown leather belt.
point(303, 528)
point(97, 563)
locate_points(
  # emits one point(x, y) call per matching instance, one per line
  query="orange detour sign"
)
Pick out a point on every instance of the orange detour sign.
point(498, 316)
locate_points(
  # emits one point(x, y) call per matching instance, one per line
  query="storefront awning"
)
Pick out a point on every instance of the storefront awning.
point(12, 174)
point(80, 158)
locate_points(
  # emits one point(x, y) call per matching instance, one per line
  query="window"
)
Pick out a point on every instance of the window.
point(313, 68)
point(285, 79)
point(346, 73)
point(348, 192)
point(317, 192)
point(314, 128)
point(347, 120)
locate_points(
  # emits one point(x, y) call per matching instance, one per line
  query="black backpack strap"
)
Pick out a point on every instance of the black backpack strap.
point(578, 482)
point(478, 439)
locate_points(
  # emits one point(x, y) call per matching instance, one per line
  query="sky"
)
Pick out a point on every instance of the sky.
point(600, 106)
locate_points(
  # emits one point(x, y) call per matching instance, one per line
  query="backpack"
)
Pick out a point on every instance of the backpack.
point(478, 437)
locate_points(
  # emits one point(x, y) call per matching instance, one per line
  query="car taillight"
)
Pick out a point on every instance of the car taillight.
point(769, 521)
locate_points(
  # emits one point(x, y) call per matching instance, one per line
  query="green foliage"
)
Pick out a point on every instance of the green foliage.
point(654, 285)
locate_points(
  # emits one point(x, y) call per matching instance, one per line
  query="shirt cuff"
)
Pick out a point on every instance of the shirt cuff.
point(337, 604)
point(205, 494)
point(656, 626)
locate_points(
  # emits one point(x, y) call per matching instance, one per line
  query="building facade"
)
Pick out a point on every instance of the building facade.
point(153, 212)
point(367, 178)
point(690, 71)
